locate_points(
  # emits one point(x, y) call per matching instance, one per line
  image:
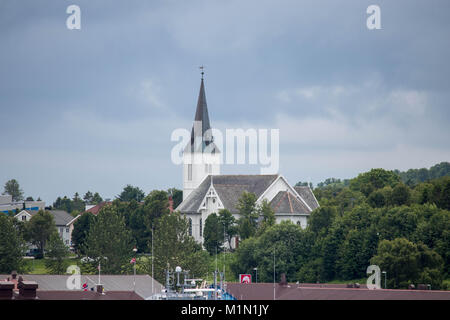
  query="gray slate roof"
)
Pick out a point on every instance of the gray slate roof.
point(229, 189)
point(306, 193)
point(62, 218)
point(286, 202)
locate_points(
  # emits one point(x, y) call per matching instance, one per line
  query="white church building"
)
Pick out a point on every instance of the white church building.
point(206, 191)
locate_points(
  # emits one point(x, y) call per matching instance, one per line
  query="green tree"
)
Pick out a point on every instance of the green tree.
point(374, 179)
point(56, 254)
point(80, 231)
point(110, 241)
point(12, 246)
point(172, 246)
point(156, 204)
point(406, 262)
point(131, 193)
point(88, 197)
point(96, 198)
point(228, 222)
point(12, 188)
point(39, 229)
point(248, 220)
point(400, 195)
point(177, 196)
point(267, 216)
point(213, 234)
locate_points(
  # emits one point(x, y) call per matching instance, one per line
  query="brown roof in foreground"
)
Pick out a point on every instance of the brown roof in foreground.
point(87, 295)
point(264, 291)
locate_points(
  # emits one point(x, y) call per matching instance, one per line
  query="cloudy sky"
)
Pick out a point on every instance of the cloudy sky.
point(94, 109)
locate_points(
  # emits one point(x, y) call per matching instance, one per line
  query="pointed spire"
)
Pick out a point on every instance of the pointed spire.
point(202, 118)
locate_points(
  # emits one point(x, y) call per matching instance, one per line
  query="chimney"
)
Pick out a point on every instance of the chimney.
point(100, 289)
point(170, 204)
point(27, 289)
point(6, 290)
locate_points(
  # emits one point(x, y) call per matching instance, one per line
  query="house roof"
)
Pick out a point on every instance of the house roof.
point(306, 193)
point(62, 218)
point(264, 291)
point(111, 283)
point(286, 202)
point(96, 209)
point(86, 295)
point(229, 189)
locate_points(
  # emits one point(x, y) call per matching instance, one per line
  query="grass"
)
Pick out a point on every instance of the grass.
point(37, 266)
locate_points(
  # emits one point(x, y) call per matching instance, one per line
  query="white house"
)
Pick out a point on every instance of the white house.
point(206, 191)
point(63, 222)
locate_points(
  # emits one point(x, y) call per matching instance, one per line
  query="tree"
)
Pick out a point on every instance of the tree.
point(400, 195)
point(56, 253)
point(109, 241)
point(247, 222)
point(406, 262)
point(88, 197)
point(131, 193)
point(266, 215)
point(29, 199)
point(213, 234)
point(12, 246)
point(80, 231)
point(12, 188)
point(77, 203)
point(156, 204)
point(96, 198)
point(228, 222)
point(177, 196)
point(374, 179)
point(39, 229)
point(174, 247)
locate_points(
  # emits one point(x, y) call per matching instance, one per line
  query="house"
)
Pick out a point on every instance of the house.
point(64, 222)
point(206, 191)
point(113, 287)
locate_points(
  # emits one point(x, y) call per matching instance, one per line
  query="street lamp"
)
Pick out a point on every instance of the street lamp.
point(256, 270)
point(134, 268)
point(385, 273)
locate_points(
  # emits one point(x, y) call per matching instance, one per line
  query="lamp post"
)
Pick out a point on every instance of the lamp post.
point(385, 273)
point(256, 271)
point(134, 278)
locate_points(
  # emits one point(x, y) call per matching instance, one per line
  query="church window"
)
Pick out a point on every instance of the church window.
point(189, 172)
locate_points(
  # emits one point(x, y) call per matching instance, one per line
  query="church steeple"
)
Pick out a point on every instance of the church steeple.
point(201, 130)
point(201, 157)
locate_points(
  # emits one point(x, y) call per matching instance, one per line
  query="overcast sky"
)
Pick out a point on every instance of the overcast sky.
point(93, 109)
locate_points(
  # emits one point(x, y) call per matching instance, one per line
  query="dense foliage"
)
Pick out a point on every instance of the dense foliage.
point(373, 218)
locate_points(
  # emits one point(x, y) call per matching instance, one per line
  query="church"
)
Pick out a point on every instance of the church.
point(206, 191)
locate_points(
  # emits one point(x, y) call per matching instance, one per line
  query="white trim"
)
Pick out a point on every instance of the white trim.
point(211, 187)
point(193, 190)
point(73, 220)
point(25, 211)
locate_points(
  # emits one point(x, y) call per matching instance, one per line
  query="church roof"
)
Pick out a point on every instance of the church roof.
point(306, 193)
point(229, 189)
point(201, 136)
point(286, 202)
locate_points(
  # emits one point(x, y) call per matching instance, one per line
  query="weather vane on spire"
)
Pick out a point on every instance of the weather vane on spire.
point(201, 68)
